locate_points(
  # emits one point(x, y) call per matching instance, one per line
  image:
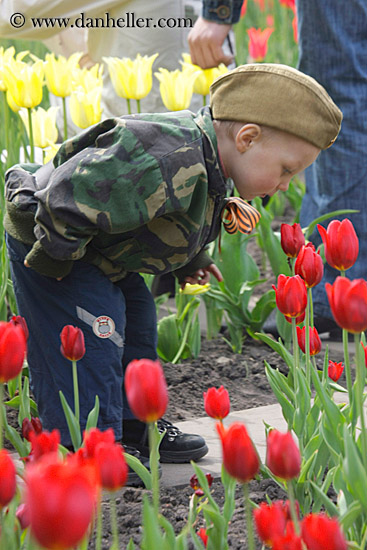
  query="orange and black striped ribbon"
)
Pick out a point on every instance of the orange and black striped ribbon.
point(239, 215)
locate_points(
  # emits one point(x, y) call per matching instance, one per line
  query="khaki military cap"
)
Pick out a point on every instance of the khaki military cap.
point(280, 97)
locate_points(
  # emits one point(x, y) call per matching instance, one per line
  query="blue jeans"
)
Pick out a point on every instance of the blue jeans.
point(333, 46)
point(119, 324)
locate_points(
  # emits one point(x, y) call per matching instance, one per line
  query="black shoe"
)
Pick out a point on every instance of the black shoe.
point(322, 324)
point(176, 447)
point(133, 479)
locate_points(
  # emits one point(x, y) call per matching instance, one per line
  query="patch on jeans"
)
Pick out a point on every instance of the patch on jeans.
point(102, 326)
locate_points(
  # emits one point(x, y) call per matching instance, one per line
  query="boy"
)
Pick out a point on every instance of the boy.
point(145, 193)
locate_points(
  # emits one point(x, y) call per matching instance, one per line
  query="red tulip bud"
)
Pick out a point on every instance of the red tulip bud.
point(44, 443)
point(299, 319)
point(341, 244)
point(365, 353)
point(111, 465)
point(240, 458)
point(18, 320)
point(7, 478)
point(202, 534)
point(320, 532)
point(291, 295)
point(283, 457)
point(348, 303)
point(291, 239)
point(12, 350)
point(72, 343)
point(309, 266)
point(335, 370)
point(146, 389)
point(216, 403)
point(22, 515)
point(270, 521)
point(315, 342)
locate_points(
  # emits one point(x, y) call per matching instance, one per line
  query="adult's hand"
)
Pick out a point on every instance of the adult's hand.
point(206, 43)
point(202, 276)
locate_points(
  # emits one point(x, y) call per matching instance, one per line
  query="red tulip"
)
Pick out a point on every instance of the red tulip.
point(93, 437)
point(335, 370)
point(270, 521)
point(289, 541)
point(243, 9)
point(348, 303)
point(18, 320)
point(309, 266)
point(216, 403)
point(282, 455)
point(146, 389)
point(289, 4)
point(240, 458)
point(315, 342)
point(60, 497)
point(291, 295)
point(195, 485)
point(111, 465)
point(33, 425)
point(72, 343)
point(320, 532)
point(258, 43)
point(7, 478)
point(341, 244)
point(291, 239)
point(299, 319)
point(12, 350)
point(295, 28)
point(202, 534)
point(44, 443)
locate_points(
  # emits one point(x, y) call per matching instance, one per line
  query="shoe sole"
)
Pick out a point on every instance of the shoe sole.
point(167, 457)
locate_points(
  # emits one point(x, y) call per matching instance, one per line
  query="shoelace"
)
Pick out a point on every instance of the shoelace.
point(171, 430)
point(238, 215)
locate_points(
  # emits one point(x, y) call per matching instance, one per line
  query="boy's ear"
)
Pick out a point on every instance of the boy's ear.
point(246, 135)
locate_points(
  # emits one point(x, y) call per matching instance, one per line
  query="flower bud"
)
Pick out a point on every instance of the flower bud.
point(216, 403)
point(291, 239)
point(72, 343)
point(240, 458)
point(309, 266)
point(348, 303)
point(315, 342)
point(335, 370)
point(320, 532)
point(283, 457)
point(291, 295)
point(341, 244)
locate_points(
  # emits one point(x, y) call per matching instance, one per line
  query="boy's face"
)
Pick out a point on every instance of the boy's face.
point(264, 160)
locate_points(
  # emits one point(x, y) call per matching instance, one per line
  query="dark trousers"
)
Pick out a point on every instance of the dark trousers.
point(119, 324)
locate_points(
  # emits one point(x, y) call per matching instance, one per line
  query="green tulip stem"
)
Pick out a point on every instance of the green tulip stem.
point(7, 127)
point(76, 392)
point(2, 413)
point(114, 529)
point(43, 156)
point(348, 374)
point(204, 100)
point(99, 525)
point(307, 340)
point(128, 105)
point(65, 118)
point(295, 355)
point(153, 459)
point(31, 140)
point(292, 503)
point(360, 371)
point(138, 106)
point(249, 524)
point(310, 304)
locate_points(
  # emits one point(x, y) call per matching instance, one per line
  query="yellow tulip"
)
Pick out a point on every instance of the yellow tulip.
point(193, 290)
point(177, 87)
point(24, 82)
point(85, 107)
point(51, 152)
point(206, 76)
point(88, 78)
point(58, 73)
point(5, 57)
point(131, 78)
point(43, 125)
point(10, 101)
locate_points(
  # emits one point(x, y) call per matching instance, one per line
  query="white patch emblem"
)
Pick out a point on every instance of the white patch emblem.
point(103, 326)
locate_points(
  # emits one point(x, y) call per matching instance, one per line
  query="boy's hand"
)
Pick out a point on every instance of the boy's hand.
point(26, 264)
point(202, 276)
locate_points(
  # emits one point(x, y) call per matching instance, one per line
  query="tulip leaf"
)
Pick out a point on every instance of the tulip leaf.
point(329, 505)
point(287, 407)
point(203, 482)
point(353, 471)
point(303, 404)
point(130, 545)
point(73, 424)
point(12, 435)
point(332, 411)
point(353, 513)
point(152, 536)
point(144, 474)
point(216, 532)
point(310, 229)
point(93, 415)
point(278, 347)
point(170, 537)
point(168, 338)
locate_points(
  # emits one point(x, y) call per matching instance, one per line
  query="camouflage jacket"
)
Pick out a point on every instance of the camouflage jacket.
point(137, 193)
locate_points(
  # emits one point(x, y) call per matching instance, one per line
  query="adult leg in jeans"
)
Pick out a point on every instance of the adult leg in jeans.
point(333, 46)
